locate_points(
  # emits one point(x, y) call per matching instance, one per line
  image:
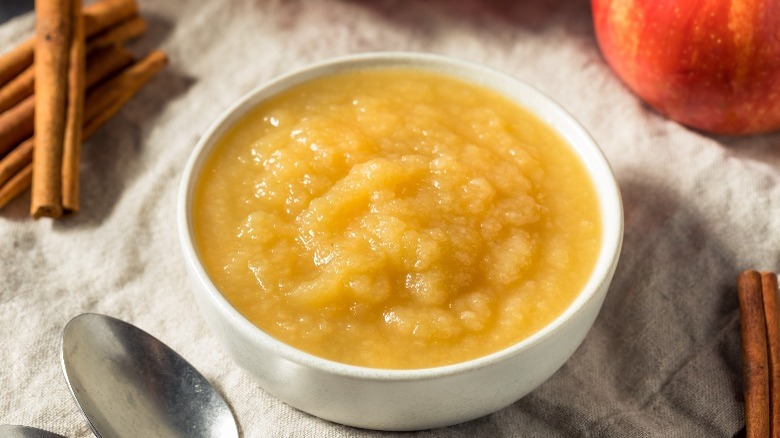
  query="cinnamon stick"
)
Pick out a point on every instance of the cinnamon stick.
point(16, 160)
point(101, 104)
point(71, 148)
point(16, 60)
point(22, 86)
point(771, 309)
point(17, 123)
point(17, 89)
point(101, 15)
point(54, 27)
point(755, 362)
point(16, 185)
point(98, 17)
point(122, 87)
point(124, 31)
point(105, 62)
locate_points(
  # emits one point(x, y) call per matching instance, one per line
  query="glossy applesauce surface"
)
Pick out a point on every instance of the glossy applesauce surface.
point(395, 218)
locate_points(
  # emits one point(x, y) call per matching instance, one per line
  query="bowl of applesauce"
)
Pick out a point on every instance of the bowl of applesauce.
point(399, 241)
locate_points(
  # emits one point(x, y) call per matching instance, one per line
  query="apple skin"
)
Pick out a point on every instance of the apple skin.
point(713, 65)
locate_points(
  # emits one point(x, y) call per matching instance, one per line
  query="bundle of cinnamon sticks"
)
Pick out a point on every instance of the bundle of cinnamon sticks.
point(57, 88)
point(760, 326)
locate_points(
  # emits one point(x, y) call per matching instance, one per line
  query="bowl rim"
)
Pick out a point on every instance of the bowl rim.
point(543, 107)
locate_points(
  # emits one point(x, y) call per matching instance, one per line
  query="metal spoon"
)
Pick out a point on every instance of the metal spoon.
point(129, 384)
point(14, 431)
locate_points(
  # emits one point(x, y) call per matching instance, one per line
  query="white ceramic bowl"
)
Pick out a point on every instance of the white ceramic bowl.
point(408, 399)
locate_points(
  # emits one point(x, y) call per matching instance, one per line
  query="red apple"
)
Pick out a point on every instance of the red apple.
point(710, 64)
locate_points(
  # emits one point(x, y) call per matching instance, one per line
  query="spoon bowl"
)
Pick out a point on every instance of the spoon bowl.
point(128, 383)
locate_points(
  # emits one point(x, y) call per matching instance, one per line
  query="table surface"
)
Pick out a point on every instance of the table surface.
point(663, 357)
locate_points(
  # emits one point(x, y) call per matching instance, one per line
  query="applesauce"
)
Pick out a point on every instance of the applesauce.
point(395, 218)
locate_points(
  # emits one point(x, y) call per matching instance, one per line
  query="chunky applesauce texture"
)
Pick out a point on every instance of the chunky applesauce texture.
point(396, 218)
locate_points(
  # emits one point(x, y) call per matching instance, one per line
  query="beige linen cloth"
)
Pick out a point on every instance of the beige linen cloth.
point(663, 358)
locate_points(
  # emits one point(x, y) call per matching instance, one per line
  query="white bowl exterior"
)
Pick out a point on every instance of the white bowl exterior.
point(409, 399)
point(404, 403)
